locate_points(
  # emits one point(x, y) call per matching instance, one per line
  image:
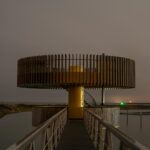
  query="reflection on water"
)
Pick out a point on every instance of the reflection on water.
point(133, 128)
point(13, 127)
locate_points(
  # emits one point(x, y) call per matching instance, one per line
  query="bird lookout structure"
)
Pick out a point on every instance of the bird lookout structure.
point(74, 73)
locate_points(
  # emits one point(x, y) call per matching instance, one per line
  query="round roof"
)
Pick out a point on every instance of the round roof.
point(66, 70)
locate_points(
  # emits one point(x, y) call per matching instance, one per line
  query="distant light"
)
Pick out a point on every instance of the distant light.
point(122, 104)
point(130, 101)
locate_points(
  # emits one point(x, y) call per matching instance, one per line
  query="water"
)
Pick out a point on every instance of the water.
point(134, 130)
point(15, 126)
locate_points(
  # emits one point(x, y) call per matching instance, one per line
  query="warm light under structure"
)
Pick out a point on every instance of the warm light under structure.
point(74, 72)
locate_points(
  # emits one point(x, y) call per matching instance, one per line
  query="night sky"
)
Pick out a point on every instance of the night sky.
point(37, 27)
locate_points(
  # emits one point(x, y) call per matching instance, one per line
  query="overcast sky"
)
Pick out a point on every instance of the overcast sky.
point(35, 27)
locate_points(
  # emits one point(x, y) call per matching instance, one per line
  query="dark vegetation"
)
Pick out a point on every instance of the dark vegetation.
point(7, 109)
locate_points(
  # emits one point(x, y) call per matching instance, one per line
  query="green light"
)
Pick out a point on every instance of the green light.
point(122, 104)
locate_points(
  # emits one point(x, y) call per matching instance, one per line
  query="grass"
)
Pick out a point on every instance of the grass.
point(7, 109)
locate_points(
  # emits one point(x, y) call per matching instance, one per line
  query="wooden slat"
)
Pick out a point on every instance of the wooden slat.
point(84, 68)
point(86, 77)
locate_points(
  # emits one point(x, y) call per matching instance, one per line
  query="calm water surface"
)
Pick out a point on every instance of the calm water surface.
point(134, 130)
point(15, 126)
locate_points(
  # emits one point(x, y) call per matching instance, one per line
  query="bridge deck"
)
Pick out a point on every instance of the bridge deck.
point(75, 137)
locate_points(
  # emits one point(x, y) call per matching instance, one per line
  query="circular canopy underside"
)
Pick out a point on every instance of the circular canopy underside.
point(63, 71)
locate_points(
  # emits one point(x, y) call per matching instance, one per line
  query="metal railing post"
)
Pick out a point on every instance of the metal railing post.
point(49, 134)
point(100, 132)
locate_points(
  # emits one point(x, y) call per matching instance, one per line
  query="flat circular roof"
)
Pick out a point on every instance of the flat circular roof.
point(66, 70)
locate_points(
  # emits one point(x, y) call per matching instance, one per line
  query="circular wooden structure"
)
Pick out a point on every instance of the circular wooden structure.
point(68, 70)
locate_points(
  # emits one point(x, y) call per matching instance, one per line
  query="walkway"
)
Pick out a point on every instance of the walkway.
point(75, 137)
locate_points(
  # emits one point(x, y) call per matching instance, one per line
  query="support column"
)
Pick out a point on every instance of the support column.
point(76, 102)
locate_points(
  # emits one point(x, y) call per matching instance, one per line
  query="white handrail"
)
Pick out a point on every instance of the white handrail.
point(49, 133)
point(95, 124)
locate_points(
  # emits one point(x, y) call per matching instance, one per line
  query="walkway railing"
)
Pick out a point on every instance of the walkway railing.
point(101, 134)
point(46, 136)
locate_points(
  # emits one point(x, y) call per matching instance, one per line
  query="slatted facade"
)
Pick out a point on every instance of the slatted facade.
point(62, 71)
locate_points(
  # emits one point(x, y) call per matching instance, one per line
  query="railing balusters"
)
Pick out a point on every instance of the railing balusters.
point(123, 146)
point(96, 133)
point(101, 134)
point(108, 140)
point(49, 134)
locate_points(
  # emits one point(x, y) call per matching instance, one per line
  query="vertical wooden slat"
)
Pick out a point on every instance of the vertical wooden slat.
point(80, 72)
point(113, 71)
point(26, 61)
point(25, 81)
point(38, 79)
point(99, 70)
point(52, 73)
point(117, 77)
point(111, 68)
point(134, 74)
point(55, 71)
point(130, 73)
point(48, 70)
point(128, 65)
point(41, 70)
point(93, 73)
point(120, 64)
point(34, 70)
point(83, 74)
point(28, 71)
point(123, 72)
point(76, 73)
point(116, 61)
point(127, 72)
point(102, 70)
point(110, 72)
point(120, 71)
point(96, 71)
point(28, 67)
point(65, 79)
point(87, 79)
point(35, 75)
point(72, 66)
point(107, 70)
point(69, 69)
point(90, 69)
point(37, 70)
point(31, 62)
point(18, 73)
point(58, 68)
point(62, 69)
point(23, 71)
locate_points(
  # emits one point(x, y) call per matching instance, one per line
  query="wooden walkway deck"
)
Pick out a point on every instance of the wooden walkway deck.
point(75, 137)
